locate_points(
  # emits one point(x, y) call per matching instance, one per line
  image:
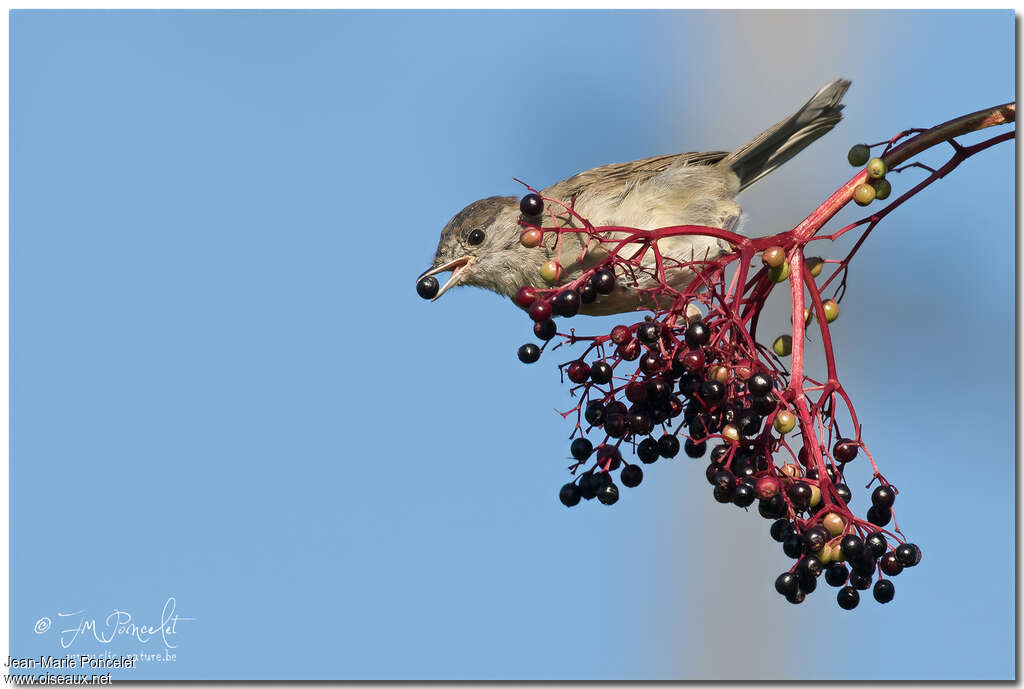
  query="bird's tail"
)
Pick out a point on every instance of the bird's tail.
point(790, 136)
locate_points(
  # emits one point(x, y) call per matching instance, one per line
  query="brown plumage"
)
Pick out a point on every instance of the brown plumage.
point(662, 191)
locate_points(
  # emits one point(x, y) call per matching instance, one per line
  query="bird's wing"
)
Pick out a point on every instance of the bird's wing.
point(619, 178)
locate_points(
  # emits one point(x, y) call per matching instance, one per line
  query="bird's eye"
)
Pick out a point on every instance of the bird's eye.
point(476, 237)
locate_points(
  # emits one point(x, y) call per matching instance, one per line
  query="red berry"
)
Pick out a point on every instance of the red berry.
point(629, 351)
point(767, 487)
point(578, 372)
point(621, 335)
point(693, 360)
point(540, 311)
point(526, 296)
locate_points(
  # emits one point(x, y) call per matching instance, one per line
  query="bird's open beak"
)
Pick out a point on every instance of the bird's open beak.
point(458, 268)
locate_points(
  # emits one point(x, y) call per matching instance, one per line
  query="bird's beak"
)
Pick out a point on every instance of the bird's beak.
point(458, 268)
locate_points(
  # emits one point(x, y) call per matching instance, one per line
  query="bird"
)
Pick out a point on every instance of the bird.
point(481, 244)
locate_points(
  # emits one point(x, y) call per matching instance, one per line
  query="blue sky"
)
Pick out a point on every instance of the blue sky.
point(224, 389)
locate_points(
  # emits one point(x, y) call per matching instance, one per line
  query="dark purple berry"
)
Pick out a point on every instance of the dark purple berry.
point(588, 295)
point(883, 497)
point(743, 495)
point(697, 335)
point(890, 564)
point(694, 449)
point(836, 574)
point(908, 554)
point(879, 517)
point(569, 495)
point(603, 281)
point(427, 287)
point(531, 205)
point(668, 446)
point(600, 372)
point(529, 353)
point(860, 581)
point(647, 450)
point(545, 330)
point(786, 584)
point(566, 304)
point(589, 483)
point(608, 494)
point(876, 544)
point(884, 591)
point(851, 547)
point(848, 598)
point(581, 448)
point(759, 385)
point(631, 475)
point(845, 450)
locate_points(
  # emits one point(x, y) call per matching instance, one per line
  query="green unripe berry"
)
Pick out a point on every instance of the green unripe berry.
point(876, 168)
point(785, 421)
point(831, 309)
point(551, 272)
point(783, 345)
point(882, 188)
point(815, 264)
point(864, 194)
point(779, 274)
point(858, 155)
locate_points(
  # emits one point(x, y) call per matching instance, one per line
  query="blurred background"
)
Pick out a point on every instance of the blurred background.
point(225, 390)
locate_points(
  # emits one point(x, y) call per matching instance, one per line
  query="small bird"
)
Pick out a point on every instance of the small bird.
point(481, 244)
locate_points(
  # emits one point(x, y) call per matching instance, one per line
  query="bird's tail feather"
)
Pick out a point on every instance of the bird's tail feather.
point(790, 136)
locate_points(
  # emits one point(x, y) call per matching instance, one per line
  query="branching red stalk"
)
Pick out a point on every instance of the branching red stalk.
point(719, 366)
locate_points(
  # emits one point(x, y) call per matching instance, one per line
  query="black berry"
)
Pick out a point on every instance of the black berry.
point(427, 287)
point(529, 353)
point(566, 304)
point(836, 574)
point(569, 495)
point(848, 598)
point(743, 495)
point(581, 448)
point(589, 483)
point(647, 450)
point(545, 330)
point(594, 413)
point(697, 335)
point(694, 449)
point(876, 544)
point(668, 446)
point(648, 333)
point(588, 295)
point(759, 384)
point(883, 497)
point(631, 476)
point(884, 591)
point(600, 372)
point(603, 281)
point(852, 547)
point(786, 584)
point(860, 581)
point(531, 205)
point(908, 554)
point(608, 494)
point(845, 450)
point(879, 517)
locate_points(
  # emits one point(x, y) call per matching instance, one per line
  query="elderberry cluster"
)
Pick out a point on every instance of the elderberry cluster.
point(689, 389)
